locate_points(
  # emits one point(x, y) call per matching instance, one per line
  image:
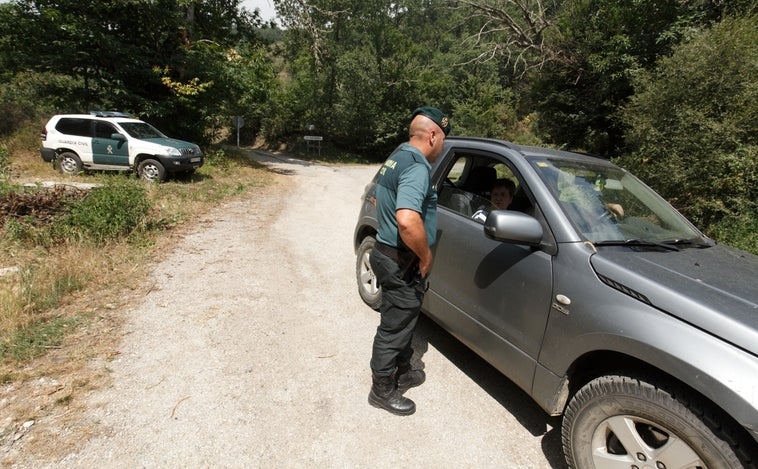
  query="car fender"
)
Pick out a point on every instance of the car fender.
point(637, 335)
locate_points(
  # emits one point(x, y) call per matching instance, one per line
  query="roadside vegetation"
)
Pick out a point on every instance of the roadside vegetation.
point(56, 243)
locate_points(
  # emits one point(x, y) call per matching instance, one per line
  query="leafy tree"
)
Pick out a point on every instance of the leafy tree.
point(694, 130)
point(603, 45)
point(252, 85)
point(155, 59)
point(356, 67)
point(359, 68)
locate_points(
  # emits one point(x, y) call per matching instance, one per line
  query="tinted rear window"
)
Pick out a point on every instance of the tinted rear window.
point(75, 126)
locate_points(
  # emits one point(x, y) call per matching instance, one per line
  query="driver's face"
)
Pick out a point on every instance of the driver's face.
point(501, 197)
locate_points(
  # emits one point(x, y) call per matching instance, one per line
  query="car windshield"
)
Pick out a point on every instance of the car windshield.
point(609, 205)
point(141, 130)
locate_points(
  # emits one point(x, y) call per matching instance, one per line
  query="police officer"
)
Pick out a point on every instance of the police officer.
point(406, 205)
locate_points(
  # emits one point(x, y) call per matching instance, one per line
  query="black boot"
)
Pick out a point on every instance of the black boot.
point(384, 395)
point(408, 378)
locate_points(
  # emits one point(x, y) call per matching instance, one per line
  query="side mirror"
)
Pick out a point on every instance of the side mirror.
point(513, 227)
point(117, 136)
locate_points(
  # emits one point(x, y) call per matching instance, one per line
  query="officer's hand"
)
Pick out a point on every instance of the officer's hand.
point(424, 267)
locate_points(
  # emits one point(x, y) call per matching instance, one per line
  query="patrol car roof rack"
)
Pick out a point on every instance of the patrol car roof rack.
point(109, 114)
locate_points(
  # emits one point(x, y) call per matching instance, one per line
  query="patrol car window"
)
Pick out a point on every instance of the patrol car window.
point(75, 126)
point(141, 130)
point(104, 130)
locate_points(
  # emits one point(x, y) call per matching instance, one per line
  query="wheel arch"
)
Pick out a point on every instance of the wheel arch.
point(361, 231)
point(599, 363)
point(140, 157)
point(60, 150)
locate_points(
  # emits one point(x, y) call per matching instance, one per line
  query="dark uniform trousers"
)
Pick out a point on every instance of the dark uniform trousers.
point(402, 295)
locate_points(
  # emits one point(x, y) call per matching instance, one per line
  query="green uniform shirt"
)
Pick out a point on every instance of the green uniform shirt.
point(404, 182)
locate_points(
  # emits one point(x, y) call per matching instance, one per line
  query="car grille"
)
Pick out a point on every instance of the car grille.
point(189, 151)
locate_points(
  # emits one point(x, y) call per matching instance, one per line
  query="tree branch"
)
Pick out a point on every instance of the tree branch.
point(514, 29)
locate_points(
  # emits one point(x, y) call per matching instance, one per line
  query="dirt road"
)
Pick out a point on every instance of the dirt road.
point(251, 349)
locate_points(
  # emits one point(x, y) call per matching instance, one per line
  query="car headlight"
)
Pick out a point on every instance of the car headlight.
point(171, 151)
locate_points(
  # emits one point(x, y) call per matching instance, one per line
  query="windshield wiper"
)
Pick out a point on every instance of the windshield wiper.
point(695, 243)
point(637, 242)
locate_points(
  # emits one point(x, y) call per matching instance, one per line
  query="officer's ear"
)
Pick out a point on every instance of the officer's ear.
point(434, 135)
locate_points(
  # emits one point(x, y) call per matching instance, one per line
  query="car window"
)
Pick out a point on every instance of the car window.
point(141, 130)
point(466, 189)
point(454, 175)
point(104, 129)
point(75, 126)
point(468, 183)
point(451, 194)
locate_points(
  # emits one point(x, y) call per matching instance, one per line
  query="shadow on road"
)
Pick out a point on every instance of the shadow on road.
point(500, 388)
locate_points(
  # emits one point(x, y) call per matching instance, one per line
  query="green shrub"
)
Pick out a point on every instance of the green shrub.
point(693, 129)
point(740, 232)
point(112, 211)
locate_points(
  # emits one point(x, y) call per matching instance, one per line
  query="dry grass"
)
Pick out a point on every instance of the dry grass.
point(81, 291)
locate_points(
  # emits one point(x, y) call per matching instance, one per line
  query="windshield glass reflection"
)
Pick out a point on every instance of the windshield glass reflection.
point(141, 130)
point(608, 204)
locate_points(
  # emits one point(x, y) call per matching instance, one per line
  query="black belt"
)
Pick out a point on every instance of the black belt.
point(404, 256)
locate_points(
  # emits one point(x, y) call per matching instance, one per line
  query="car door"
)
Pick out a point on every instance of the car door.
point(106, 150)
point(494, 296)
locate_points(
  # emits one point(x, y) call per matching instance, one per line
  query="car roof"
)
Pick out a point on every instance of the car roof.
point(530, 152)
point(98, 117)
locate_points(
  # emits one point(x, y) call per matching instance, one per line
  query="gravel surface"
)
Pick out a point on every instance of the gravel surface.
point(251, 349)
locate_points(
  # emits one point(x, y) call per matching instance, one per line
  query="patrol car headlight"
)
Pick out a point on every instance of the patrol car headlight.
point(171, 151)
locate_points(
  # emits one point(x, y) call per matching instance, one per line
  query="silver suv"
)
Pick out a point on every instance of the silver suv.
point(105, 140)
point(598, 299)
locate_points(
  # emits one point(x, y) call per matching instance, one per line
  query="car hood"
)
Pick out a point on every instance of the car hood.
point(715, 289)
point(171, 142)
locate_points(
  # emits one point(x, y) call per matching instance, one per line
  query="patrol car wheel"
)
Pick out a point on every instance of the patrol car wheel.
point(623, 421)
point(69, 163)
point(368, 285)
point(151, 170)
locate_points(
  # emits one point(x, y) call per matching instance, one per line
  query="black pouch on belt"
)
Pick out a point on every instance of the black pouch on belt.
point(407, 261)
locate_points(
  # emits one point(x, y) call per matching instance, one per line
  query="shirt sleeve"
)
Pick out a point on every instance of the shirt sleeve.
point(412, 188)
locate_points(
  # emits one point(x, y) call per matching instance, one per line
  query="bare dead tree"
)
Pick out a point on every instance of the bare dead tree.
point(514, 29)
point(304, 16)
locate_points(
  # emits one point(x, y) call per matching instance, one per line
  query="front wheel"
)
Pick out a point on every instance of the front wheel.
point(623, 421)
point(368, 285)
point(151, 170)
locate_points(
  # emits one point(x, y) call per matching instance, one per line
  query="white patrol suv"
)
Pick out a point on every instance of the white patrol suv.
point(105, 140)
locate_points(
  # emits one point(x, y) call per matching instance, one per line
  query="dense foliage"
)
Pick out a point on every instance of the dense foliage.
point(110, 212)
point(154, 59)
point(590, 75)
point(694, 130)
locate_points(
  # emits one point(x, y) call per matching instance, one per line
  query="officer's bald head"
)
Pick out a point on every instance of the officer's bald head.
point(420, 126)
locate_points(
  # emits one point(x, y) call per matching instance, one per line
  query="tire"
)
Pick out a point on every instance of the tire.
point(151, 170)
point(622, 421)
point(368, 285)
point(69, 163)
